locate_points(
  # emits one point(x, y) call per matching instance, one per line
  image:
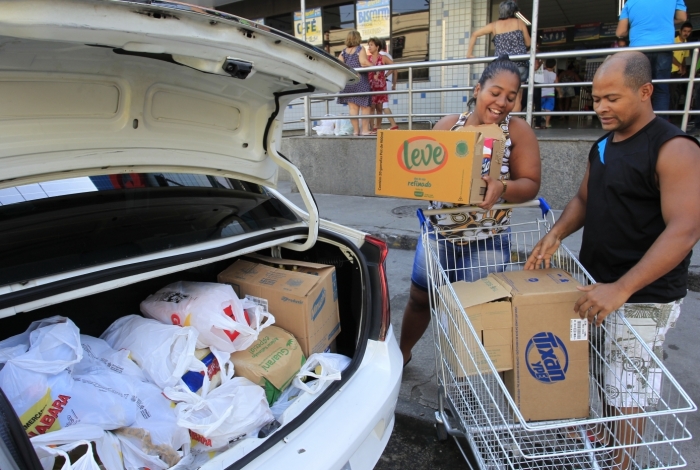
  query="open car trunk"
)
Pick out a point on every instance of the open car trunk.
point(94, 313)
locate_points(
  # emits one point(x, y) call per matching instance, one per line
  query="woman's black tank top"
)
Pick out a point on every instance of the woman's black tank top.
point(623, 211)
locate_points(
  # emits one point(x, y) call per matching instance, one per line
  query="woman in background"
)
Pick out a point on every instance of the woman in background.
point(354, 55)
point(510, 36)
point(377, 80)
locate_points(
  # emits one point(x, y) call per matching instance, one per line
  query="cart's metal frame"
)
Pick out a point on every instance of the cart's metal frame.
point(474, 404)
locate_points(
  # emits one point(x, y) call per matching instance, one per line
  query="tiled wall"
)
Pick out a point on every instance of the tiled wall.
point(454, 20)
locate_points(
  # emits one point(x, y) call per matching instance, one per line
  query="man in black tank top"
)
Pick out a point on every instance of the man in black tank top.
point(639, 206)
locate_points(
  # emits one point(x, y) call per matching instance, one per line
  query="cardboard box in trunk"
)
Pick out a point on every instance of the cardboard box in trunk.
point(437, 165)
point(487, 305)
point(303, 297)
point(550, 376)
point(271, 362)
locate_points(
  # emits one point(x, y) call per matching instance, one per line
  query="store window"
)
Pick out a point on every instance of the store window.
point(410, 33)
point(338, 21)
point(284, 23)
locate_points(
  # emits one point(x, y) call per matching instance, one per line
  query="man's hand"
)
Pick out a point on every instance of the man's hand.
point(599, 301)
point(543, 251)
point(494, 190)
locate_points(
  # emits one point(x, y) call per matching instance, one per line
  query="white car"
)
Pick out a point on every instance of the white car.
point(139, 146)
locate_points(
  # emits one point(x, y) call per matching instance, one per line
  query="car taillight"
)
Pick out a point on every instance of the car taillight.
point(383, 284)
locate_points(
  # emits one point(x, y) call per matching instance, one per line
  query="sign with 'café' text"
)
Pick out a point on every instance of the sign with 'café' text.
point(314, 26)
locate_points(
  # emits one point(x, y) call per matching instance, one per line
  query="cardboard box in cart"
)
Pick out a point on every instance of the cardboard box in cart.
point(487, 305)
point(437, 165)
point(303, 297)
point(550, 376)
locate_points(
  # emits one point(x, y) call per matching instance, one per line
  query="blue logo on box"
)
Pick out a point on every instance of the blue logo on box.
point(533, 279)
point(318, 304)
point(547, 358)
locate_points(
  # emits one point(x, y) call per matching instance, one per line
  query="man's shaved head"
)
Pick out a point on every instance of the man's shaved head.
point(635, 67)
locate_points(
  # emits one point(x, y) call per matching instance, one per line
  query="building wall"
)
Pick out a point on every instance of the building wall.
point(451, 23)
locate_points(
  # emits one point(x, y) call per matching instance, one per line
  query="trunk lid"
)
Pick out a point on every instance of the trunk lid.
point(96, 86)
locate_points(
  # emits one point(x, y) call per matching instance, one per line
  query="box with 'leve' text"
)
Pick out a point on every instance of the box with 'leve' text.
point(438, 165)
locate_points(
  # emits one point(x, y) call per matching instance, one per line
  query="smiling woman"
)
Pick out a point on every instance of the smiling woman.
point(494, 98)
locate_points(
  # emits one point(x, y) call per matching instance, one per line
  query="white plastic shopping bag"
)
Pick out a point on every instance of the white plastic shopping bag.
point(223, 321)
point(324, 367)
point(106, 444)
point(96, 351)
point(139, 451)
point(326, 127)
point(47, 456)
point(164, 352)
point(343, 127)
point(48, 346)
point(226, 414)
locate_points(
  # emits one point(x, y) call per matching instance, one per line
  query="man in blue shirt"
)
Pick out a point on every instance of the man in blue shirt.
point(651, 23)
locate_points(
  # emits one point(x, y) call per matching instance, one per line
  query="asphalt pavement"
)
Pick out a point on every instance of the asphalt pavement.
point(394, 220)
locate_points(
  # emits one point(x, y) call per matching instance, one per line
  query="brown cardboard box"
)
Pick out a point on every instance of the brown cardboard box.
point(271, 361)
point(303, 302)
point(436, 165)
point(487, 304)
point(550, 377)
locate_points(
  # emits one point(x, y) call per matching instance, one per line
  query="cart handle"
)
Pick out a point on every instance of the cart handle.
point(540, 202)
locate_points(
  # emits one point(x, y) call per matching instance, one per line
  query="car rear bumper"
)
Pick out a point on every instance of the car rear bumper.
point(351, 430)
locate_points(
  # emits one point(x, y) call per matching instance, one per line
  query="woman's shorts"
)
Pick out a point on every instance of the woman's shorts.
point(633, 379)
point(547, 103)
point(468, 262)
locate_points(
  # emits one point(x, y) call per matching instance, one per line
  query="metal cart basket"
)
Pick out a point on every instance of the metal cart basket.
point(474, 403)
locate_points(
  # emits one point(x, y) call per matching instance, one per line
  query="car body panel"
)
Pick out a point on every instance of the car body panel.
point(88, 85)
point(360, 416)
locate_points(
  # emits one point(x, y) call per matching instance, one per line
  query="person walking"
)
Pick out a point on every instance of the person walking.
point(510, 36)
point(678, 69)
point(639, 206)
point(494, 98)
point(549, 76)
point(377, 81)
point(651, 23)
point(354, 55)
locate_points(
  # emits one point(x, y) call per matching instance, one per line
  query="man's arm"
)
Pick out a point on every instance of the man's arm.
point(680, 17)
point(570, 220)
point(678, 171)
point(622, 28)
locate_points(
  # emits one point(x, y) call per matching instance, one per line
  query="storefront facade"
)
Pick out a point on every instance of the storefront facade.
point(429, 30)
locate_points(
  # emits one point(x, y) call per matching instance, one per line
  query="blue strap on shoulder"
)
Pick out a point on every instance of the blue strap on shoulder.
point(601, 150)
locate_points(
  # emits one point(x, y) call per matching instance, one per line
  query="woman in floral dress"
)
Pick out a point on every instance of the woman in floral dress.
point(377, 80)
point(354, 55)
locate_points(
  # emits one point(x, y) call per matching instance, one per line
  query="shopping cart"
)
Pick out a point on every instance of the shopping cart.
point(475, 406)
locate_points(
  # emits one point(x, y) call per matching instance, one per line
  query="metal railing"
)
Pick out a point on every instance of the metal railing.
point(410, 116)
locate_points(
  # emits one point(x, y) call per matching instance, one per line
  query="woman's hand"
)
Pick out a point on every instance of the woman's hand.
point(494, 190)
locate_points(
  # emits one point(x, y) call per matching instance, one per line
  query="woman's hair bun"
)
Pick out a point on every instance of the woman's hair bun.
point(503, 57)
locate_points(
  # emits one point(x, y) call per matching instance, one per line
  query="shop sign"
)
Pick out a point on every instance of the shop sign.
point(373, 18)
point(314, 26)
point(553, 36)
point(587, 32)
point(608, 30)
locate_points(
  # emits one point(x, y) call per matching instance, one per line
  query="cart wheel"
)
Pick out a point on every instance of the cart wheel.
point(441, 432)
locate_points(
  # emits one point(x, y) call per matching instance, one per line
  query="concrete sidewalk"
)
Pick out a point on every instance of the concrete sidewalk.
point(395, 221)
